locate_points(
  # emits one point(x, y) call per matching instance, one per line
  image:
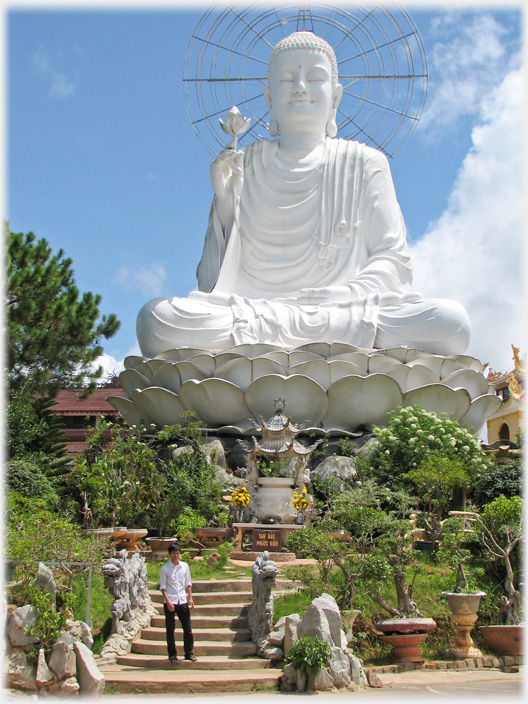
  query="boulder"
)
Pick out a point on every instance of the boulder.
point(214, 451)
point(19, 673)
point(91, 680)
point(373, 679)
point(315, 623)
point(44, 675)
point(17, 624)
point(356, 668)
point(65, 688)
point(81, 631)
point(338, 467)
point(288, 680)
point(323, 680)
point(276, 637)
point(290, 632)
point(44, 579)
point(62, 661)
point(340, 668)
point(329, 606)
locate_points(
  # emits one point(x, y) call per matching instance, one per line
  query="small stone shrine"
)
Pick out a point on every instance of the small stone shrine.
point(272, 494)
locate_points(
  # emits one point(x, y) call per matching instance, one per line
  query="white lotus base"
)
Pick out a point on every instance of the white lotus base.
point(335, 388)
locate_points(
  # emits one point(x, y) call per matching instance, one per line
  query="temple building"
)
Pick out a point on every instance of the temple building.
point(79, 415)
point(505, 423)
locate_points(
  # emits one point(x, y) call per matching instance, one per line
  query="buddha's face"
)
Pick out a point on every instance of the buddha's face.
point(300, 94)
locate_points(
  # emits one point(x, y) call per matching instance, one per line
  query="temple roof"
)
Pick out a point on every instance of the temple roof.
point(69, 402)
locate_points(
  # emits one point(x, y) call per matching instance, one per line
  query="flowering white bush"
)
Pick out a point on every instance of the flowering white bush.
point(414, 434)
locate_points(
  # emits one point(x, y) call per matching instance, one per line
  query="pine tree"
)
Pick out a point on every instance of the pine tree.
point(53, 330)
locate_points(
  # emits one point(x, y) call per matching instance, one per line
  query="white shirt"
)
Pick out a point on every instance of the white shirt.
point(174, 579)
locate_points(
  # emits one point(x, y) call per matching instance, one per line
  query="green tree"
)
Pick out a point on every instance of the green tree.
point(435, 480)
point(412, 435)
point(500, 529)
point(53, 330)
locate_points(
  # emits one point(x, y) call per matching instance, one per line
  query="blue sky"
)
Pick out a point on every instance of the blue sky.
point(103, 163)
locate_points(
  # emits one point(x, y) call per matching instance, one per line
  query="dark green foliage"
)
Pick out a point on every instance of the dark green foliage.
point(53, 330)
point(497, 480)
point(26, 477)
point(309, 654)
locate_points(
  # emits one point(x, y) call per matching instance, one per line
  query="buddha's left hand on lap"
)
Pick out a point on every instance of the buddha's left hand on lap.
point(323, 295)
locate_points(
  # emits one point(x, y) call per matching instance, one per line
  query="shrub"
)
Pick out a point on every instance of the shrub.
point(309, 654)
point(499, 480)
point(412, 435)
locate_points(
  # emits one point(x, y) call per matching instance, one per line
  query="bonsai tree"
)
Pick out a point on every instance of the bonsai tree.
point(500, 529)
point(435, 480)
point(391, 559)
point(454, 553)
point(320, 542)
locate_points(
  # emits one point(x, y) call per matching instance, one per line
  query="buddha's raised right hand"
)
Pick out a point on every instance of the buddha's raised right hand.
point(227, 177)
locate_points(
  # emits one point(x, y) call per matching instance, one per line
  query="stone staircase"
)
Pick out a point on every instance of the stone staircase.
point(226, 655)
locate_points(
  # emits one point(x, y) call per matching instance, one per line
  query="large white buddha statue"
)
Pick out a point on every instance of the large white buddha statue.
point(306, 241)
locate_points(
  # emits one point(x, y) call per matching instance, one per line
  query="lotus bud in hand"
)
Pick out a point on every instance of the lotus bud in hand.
point(235, 124)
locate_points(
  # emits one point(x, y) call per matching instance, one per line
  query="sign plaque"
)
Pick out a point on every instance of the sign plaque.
point(264, 539)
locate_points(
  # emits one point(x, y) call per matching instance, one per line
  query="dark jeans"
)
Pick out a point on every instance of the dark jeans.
point(183, 613)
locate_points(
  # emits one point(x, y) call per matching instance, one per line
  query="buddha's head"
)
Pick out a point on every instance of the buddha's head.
point(303, 84)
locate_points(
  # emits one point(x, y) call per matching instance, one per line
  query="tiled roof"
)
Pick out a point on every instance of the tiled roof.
point(69, 403)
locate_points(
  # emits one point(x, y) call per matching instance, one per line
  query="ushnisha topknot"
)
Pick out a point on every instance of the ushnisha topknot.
point(305, 40)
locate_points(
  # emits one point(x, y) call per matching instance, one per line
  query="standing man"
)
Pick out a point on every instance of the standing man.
point(176, 587)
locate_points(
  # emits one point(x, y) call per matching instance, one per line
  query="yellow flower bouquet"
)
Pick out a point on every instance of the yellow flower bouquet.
point(299, 501)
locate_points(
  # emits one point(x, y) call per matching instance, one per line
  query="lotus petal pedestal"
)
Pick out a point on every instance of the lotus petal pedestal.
point(406, 635)
point(335, 388)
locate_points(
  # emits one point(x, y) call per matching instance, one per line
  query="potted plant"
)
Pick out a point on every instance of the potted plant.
point(499, 528)
point(464, 599)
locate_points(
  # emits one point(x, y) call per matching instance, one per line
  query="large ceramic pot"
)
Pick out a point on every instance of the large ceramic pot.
point(406, 635)
point(160, 546)
point(273, 500)
point(130, 540)
point(464, 613)
point(507, 640)
point(210, 537)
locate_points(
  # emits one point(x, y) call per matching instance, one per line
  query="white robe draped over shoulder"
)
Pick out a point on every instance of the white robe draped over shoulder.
point(331, 219)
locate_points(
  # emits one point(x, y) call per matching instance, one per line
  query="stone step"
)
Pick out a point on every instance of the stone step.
point(214, 610)
point(235, 650)
point(205, 662)
point(202, 634)
point(206, 622)
point(150, 681)
point(211, 597)
point(221, 585)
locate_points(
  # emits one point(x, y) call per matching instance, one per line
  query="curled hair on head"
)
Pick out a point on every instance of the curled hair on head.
point(305, 40)
point(174, 547)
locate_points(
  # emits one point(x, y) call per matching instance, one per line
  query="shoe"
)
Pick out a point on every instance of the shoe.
point(174, 659)
point(192, 658)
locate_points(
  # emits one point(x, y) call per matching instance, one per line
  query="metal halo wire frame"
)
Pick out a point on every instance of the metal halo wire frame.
point(380, 55)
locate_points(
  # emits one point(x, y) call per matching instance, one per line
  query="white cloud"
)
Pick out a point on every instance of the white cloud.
point(474, 252)
point(109, 364)
point(147, 280)
point(470, 57)
point(61, 86)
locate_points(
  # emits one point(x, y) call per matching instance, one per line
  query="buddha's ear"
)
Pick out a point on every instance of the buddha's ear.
point(337, 95)
point(267, 95)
